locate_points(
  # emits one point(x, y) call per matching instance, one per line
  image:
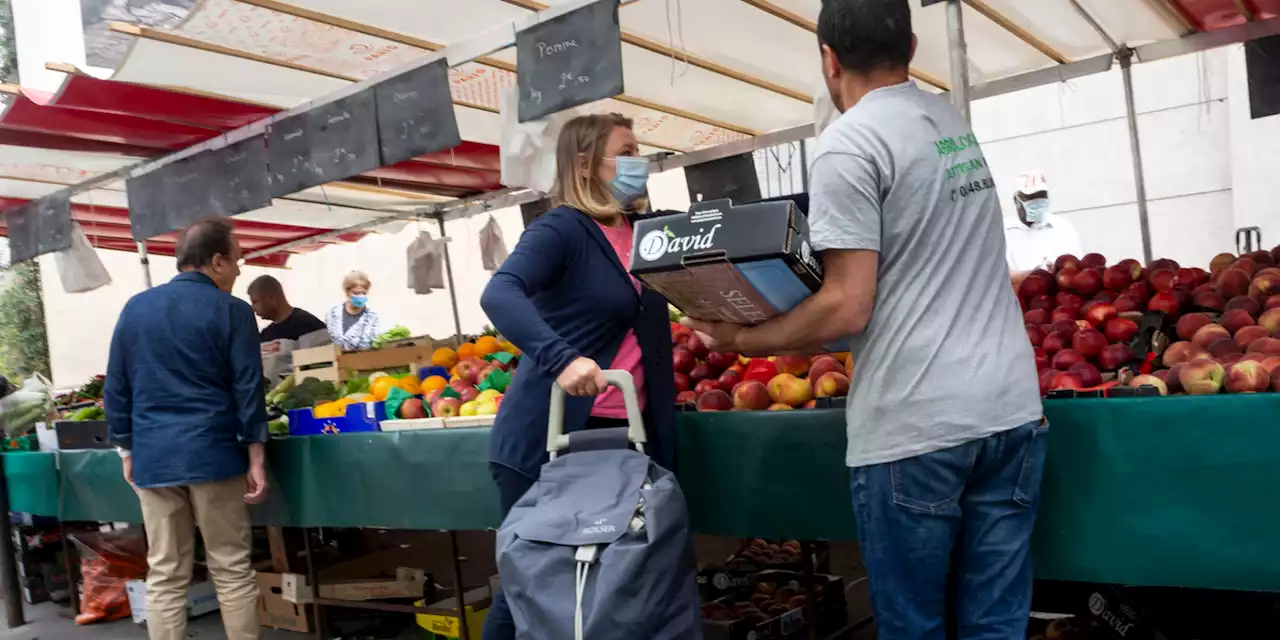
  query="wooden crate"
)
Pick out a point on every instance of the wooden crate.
point(331, 363)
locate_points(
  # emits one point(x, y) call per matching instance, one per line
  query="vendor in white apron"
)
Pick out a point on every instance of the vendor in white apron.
point(1037, 236)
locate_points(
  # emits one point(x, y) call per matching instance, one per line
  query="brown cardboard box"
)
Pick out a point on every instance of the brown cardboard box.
point(276, 612)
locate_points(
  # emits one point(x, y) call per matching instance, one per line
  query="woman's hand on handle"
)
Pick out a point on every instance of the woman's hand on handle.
point(583, 377)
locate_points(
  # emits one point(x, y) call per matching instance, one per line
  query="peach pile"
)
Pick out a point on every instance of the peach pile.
point(1223, 324)
point(716, 381)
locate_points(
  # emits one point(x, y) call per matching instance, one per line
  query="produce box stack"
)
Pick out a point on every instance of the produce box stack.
point(1163, 328)
point(717, 381)
point(762, 592)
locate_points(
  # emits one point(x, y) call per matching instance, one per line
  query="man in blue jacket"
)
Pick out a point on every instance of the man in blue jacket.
point(184, 402)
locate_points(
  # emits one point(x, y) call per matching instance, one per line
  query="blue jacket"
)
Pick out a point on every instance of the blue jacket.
point(563, 294)
point(184, 388)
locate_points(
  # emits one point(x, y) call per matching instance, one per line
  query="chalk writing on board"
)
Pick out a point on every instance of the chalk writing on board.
point(545, 50)
point(569, 60)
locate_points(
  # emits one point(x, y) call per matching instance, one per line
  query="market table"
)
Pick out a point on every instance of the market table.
point(1141, 491)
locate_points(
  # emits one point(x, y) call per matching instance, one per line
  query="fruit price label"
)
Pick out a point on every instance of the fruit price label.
point(330, 142)
point(568, 60)
point(415, 113)
point(39, 227)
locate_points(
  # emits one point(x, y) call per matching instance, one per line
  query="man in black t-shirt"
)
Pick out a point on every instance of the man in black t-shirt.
point(287, 323)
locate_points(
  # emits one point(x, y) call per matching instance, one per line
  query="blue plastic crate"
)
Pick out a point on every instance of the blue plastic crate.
point(360, 417)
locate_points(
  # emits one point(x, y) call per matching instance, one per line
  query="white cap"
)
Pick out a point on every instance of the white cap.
point(1033, 182)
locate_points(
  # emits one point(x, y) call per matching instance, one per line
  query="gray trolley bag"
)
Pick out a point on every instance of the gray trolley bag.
point(599, 548)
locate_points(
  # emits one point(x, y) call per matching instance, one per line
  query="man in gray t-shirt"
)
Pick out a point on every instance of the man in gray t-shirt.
point(945, 427)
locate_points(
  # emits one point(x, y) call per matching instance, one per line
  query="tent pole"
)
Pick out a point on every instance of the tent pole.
point(1139, 181)
point(146, 264)
point(959, 58)
point(453, 292)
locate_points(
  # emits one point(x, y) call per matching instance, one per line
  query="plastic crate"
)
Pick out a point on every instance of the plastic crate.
point(361, 417)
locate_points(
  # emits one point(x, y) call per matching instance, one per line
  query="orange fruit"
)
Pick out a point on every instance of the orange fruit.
point(410, 384)
point(434, 382)
point(444, 357)
point(486, 345)
point(467, 350)
point(380, 387)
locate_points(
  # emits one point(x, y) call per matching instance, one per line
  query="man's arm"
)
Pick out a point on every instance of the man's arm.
point(117, 392)
point(246, 376)
point(844, 224)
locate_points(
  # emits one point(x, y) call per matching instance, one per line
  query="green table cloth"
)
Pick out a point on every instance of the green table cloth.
point(1141, 491)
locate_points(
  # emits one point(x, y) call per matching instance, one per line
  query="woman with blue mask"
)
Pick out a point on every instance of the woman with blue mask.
point(566, 299)
point(352, 325)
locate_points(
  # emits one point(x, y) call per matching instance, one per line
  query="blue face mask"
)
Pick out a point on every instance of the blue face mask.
point(633, 175)
point(359, 301)
point(1037, 210)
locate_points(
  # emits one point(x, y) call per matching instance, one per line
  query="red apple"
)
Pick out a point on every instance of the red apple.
point(1164, 263)
point(714, 400)
point(1114, 356)
point(1127, 304)
point(1042, 359)
point(682, 360)
point(1046, 380)
point(445, 407)
point(1065, 313)
point(1165, 302)
point(704, 386)
point(1202, 377)
point(1055, 342)
point(1065, 380)
point(1162, 280)
point(1035, 334)
point(1248, 335)
point(750, 396)
point(1247, 376)
point(700, 371)
point(1036, 317)
point(832, 384)
point(1067, 299)
point(682, 382)
point(468, 369)
point(1209, 334)
point(1117, 278)
point(686, 397)
point(1088, 342)
point(1100, 313)
point(729, 379)
point(1093, 261)
point(1120, 329)
point(1086, 282)
point(1139, 291)
point(1233, 282)
point(1187, 278)
point(1065, 261)
point(1035, 285)
point(761, 369)
point(1066, 359)
point(719, 360)
point(697, 347)
point(1087, 373)
point(1065, 326)
point(1208, 300)
point(1065, 276)
point(1044, 303)
point(1235, 320)
point(1150, 381)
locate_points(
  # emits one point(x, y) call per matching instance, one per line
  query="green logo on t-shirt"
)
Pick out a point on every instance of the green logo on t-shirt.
point(948, 146)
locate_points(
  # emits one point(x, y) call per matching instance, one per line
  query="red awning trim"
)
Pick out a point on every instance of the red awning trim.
point(87, 93)
point(26, 114)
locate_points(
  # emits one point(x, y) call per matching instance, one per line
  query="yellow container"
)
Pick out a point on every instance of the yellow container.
point(446, 625)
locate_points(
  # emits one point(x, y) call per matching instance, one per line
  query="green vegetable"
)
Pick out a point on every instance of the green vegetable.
point(88, 413)
point(275, 395)
point(308, 393)
point(396, 333)
point(357, 384)
point(278, 427)
point(674, 314)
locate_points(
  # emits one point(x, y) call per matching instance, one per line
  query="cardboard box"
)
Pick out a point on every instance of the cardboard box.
point(442, 617)
point(741, 264)
point(276, 612)
point(407, 583)
point(202, 598)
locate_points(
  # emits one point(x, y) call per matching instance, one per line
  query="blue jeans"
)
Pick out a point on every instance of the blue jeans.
point(946, 537)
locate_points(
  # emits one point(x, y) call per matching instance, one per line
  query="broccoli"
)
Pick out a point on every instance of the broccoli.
point(309, 393)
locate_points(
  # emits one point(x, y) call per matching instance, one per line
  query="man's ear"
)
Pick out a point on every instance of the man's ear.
point(914, 42)
point(830, 63)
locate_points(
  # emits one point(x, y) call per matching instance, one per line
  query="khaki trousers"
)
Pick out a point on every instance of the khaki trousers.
point(171, 515)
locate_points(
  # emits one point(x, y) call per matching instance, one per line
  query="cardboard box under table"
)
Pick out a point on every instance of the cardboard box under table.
point(741, 264)
point(276, 612)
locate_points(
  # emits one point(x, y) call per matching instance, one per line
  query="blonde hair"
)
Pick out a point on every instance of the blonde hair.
point(587, 136)
point(353, 279)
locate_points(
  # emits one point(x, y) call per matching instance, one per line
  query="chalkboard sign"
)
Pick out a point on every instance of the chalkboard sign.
point(189, 190)
point(572, 59)
point(415, 113)
point(39, 227)
point(148, 205)
point(238, 175)
point(328, 143)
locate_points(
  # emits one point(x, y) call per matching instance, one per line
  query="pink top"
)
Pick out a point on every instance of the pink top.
point(610, 404)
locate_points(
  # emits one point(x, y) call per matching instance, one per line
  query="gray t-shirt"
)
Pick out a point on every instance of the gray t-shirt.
point(945, 358)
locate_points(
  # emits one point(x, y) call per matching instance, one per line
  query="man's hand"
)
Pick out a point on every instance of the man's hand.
point(127, 465)
point(256, 480)
point(718, 336)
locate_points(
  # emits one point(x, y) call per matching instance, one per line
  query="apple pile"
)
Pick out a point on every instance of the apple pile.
point(718, 381)
point(468, 373)
point(1083, 316)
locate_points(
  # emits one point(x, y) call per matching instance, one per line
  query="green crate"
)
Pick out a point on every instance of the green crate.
point(22, 443)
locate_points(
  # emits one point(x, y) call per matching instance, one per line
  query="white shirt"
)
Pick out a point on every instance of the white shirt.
point(1028, 248)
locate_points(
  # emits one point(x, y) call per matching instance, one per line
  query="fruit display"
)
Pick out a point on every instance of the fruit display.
point(717, 381)
point(1211, 331)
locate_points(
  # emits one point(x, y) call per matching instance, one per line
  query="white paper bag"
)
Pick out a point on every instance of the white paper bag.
point(493, 248)
point(79, 267)
point(528, 149)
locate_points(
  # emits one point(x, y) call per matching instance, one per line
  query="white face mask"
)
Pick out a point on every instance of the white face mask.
point(1037, 210)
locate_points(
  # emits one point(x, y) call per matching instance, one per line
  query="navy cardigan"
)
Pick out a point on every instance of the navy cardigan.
point(563, 294)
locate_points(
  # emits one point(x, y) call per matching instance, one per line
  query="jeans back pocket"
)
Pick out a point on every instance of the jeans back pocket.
point(1027, 491)
point(933, 482)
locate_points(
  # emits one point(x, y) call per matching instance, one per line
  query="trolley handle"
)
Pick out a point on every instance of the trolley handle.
point(558, 440)
point(1248, 239)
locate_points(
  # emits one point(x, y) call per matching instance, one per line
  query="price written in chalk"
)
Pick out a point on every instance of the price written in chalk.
point(570, 80)
point(568, 60)
point(415, 113)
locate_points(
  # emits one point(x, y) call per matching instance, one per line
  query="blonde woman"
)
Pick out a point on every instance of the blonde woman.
point(566, 299)
point(352, 324)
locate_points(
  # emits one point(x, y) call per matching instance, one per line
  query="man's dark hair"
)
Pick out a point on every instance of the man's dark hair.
point(265, 285)
point(867, 35)
point(199, 243)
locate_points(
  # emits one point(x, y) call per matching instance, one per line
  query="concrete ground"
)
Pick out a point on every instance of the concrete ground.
point(54, 622)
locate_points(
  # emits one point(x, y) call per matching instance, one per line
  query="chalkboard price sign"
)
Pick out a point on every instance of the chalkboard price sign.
point(238, 175)
point(331, 142)
point(189, 191)
point(39, 227)
point(148, 205)
point(569, 60)
point(415, 113)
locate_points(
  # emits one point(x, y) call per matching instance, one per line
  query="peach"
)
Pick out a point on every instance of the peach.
point(1224, 348)
point(794, 365)
point(832, 384)
point(1248, 335)
point(1272, 303)
point(1221, 262)
point(1233, 282)
point(1208, 300)
point(1189, 324)
point(1270, 320)
point(1180, 352)
point(1235, 320)
point(1165, 302)
point(1271, 363)
point(1209, 334)
point(1275, 379)
point(1150, 381)
point(1264, 286)
point(1174, 379)
point(778, 406)
point(824, 364)
point(1247, 376)
point(1246, 265)
point(1202, 377)
point(1258, 346)
point(1246, 303)
point(751, 395)
point(714, 400)
point(788, 389)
